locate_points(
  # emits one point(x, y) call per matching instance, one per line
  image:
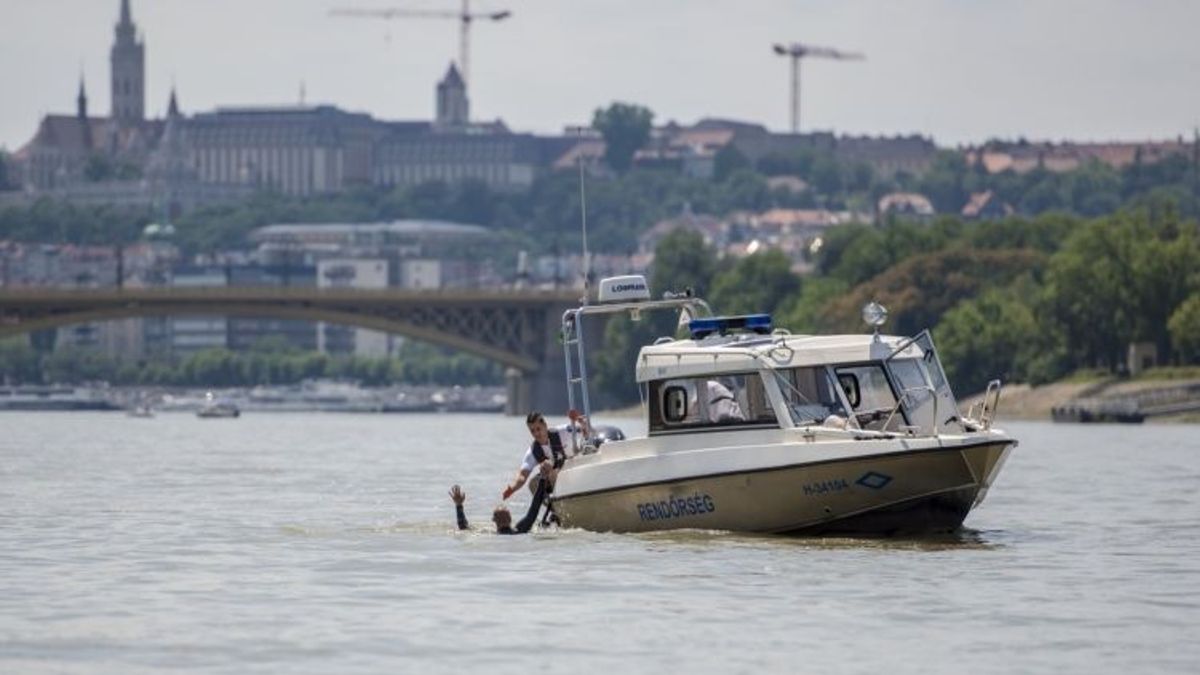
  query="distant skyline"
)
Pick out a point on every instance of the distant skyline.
point(959, 71)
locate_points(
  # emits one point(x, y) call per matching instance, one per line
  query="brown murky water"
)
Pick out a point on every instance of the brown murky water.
point(325, 544)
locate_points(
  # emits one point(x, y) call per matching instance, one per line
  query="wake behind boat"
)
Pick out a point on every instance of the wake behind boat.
point(756, 430)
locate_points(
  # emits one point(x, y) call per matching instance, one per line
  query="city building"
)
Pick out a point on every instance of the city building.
point(191, 334)
point(356, 273)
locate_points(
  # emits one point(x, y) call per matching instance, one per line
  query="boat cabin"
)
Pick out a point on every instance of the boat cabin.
point(735, 372)
point(739, 372)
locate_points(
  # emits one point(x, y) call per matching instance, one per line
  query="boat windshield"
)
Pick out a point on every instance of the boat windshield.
point(709, 401)
point(811, 395)
point(870, 396)
point(928, 401)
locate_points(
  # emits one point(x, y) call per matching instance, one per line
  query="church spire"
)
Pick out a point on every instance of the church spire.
point(173, 105)
point(81, 100)
point(453, 108)
point(128, 61)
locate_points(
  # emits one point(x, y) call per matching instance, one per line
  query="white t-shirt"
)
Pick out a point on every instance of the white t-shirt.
point(529, 464)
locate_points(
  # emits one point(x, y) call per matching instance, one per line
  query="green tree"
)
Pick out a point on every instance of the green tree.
point(728, 160)
point(757, 283)
point(920, 289)
point(1119, 279)
point(19, 362)
point(6, 178)
point(1185, 329)
point(803, 312)
point(993, 336)
point(681, 260)
point(626, 128)
point(945, 183)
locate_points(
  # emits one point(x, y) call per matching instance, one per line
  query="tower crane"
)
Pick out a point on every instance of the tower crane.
point(465, 18)
point(797, 51)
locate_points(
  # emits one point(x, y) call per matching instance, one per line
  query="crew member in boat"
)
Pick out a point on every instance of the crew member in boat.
point(722, 405)
point(548, 445)
point(501, 517)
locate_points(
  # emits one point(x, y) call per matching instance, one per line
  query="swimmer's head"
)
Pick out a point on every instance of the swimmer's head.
point(501, 517)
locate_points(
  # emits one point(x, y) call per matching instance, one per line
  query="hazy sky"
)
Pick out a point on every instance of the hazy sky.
point(959, 70)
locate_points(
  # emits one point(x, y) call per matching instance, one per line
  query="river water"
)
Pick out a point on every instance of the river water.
point(325, 544)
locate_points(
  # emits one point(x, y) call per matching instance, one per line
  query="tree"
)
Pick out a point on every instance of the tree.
point(1185, 329)
point(626, 128)
point(993, 336)
point(5, 177)
point(1118, 280)
point(681, 260)
point(919, 290)
point(757, 283)
point(802, 312)
point(728, 160)
point(945, 182)
point(18, 362)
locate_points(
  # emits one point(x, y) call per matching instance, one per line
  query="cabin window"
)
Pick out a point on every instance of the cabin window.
point(811, 395)
point(675, 404)
point(870, 396)
point(710, 401)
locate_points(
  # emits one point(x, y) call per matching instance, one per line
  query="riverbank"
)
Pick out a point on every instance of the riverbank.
point(1025, 402)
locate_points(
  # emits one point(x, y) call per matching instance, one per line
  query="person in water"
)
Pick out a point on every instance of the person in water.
point(501, 516)
point(547, 445)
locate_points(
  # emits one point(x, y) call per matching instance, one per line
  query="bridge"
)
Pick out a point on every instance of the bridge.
point(515, 328)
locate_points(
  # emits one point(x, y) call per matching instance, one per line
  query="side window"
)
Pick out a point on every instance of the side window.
point(712, 401)
point(849, 382)
point(675, 404)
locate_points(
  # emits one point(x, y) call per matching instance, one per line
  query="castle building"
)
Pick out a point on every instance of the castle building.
point(68, 150)
point(293, 150)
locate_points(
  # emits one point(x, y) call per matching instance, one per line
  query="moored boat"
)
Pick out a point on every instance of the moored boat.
point(214, 407)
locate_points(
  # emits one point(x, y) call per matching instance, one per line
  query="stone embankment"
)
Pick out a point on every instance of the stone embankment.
point(1168, 400)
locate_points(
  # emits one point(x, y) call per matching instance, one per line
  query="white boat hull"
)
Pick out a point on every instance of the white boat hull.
point(873, 487)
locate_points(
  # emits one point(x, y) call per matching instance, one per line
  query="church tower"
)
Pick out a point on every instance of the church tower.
point(452, 106)
point(81, 115)
point(128, 61)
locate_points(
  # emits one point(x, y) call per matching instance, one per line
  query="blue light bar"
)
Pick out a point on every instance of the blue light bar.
point(723, 325)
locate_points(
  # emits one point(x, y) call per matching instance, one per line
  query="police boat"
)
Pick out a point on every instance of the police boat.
point(753, 429)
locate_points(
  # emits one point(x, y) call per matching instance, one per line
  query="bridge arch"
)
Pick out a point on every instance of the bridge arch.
point(516, 329)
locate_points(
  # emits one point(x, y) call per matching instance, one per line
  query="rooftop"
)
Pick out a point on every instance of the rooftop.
point(749, 352)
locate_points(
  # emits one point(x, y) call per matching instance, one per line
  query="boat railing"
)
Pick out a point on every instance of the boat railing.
point(574, 350)
point(983, 411)
point(904, 396)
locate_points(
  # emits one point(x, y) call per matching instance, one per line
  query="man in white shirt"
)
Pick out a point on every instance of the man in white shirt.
point(554, 446)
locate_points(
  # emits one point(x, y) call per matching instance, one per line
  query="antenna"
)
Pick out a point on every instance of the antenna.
point(587, 260)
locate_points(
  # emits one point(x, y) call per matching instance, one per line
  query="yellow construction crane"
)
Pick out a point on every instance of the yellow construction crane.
point(465, 18)
point(797, 51)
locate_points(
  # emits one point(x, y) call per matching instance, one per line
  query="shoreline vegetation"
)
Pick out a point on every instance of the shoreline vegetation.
point(1075, 269)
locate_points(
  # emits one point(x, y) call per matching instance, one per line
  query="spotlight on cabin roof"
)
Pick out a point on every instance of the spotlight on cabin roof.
point(874, 314)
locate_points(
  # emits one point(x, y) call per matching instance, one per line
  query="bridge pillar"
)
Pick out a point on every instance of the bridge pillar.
point(546, 389)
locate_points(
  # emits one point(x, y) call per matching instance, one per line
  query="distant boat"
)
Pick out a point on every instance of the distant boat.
point(140, 411)
point(39, 397)
point(214, 407)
